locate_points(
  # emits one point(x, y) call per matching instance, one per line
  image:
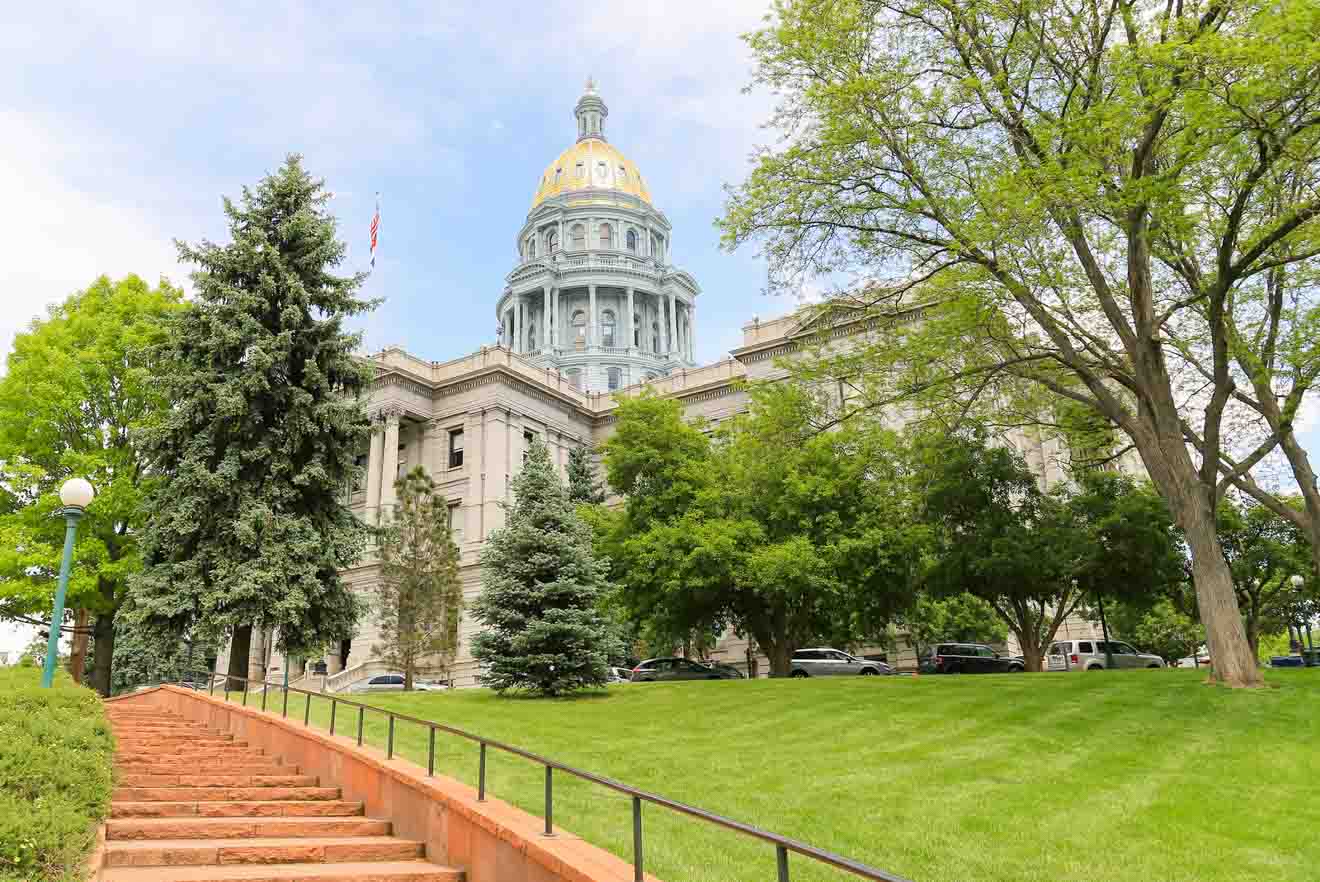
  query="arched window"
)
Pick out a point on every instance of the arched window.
point(531, 247)
point(632, 241)
point(607, 328)
point(602, 171)
point(656, 250)
point(581, 170)
point(655, 336)
point(580, 325)
point(651, 375)
point(637, 331)
point(575, 377)
point(614, 378)
point(551, 242)
point(579, 237)
point(606, 236)
point(623, 174)
point(559, 173)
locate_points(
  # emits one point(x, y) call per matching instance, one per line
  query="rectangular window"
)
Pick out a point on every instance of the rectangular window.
point(529, 437)
point(455, 448)
point(456, 522)
point(402, 467)
point(1084, 646)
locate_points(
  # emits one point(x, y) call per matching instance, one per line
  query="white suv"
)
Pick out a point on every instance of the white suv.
point(1089, 655)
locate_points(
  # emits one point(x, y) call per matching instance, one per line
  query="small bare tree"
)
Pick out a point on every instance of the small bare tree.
point(420, 597)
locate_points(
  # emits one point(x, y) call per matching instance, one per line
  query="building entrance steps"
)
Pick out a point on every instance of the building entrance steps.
point(195, 805)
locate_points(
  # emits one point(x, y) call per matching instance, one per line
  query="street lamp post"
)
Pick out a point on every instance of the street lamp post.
point(76, 494)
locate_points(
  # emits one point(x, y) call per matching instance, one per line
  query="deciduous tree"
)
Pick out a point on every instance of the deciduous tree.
point(79, 387)
point(583, 486)
point(248, 526)
point(1071, 190)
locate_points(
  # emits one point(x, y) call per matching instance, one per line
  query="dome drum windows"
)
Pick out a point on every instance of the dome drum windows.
point(614, 378)
point(632, 241)
point(551, 241)
point(579, 323)
point(578, 237)
point(606, 237)
point(607, 327)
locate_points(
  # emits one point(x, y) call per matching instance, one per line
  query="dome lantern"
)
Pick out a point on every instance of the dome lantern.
point(591, 112)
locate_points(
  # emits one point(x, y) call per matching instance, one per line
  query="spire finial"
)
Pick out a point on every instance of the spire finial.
point(591, 85)
point(591, 112)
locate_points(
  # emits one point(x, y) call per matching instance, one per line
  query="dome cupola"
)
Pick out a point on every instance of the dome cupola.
point(591, 168)
point(591, 112)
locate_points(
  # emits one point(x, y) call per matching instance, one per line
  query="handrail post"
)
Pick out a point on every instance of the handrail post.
point(781, 858)
point(481, 775)
point(637, 839)
point(549, 801)
point(215, 667)
point(265, 690)
point(430, 754)
point(307, 709)
point(245, 691)
point(389, 740)
point(226, 689)
point(286, 702)
point(360, 710)
point(333, 707)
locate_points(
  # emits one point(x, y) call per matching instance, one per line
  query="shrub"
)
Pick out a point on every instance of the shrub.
point(55, 776)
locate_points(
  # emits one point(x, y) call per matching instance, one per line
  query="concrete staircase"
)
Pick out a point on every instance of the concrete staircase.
point(193, 805)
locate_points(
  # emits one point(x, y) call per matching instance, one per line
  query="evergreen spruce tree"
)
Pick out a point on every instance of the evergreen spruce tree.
point(540, 592)
point(420, 597)
point(248, 527)
point(584, 487)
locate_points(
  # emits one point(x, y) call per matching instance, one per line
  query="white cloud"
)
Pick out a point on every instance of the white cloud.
point(63, 237)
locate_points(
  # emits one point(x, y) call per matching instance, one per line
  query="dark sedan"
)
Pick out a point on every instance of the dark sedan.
point(654, 669)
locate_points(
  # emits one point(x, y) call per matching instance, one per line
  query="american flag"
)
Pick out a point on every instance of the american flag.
point(375, 227)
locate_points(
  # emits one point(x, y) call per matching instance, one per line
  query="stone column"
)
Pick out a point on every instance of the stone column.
point(593, 329)
point(632, 336)
point(520, 329)
point(389, 463)
point(373, 470)
point(545, 317)
point(672, 326)
point(557, 327)
point(494, 466)
point(692, 330)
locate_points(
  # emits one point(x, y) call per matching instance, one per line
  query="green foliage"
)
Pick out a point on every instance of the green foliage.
point(584, 487)
point(144, 654)
point(248, 526)
point(781, 530)
point(78, 388)
point(959, 618)
point(1168, 632)
point(1036, 557)
point(420, 597)
point(542, 589)
point(1264, 552)
point(55, 776)
point(1093, 201)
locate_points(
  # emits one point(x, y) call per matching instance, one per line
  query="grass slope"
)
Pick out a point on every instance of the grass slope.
point(1142, 776)
point(55, 776)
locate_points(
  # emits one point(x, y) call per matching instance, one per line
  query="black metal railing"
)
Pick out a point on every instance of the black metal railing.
point(783, 845)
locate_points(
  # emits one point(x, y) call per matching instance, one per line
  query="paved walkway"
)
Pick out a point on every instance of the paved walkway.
point(194, 805)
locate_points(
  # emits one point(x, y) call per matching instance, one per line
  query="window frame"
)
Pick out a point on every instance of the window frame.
point(455, 462)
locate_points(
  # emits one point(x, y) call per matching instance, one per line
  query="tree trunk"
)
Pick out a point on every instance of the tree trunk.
point(103, 652)
point(1032, 656)
point(780, 657)
point(78, 653)
point(240, 647)
point(1234, 664)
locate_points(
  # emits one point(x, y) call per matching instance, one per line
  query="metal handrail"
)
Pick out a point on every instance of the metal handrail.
point(783, 844)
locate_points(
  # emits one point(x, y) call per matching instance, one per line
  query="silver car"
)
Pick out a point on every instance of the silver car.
point(394, 683)
point(826, 662)
point(1089, 655)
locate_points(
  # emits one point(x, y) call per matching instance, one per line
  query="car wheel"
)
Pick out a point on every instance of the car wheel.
point(1017, 669)
point(868, 672)
point(1152, 667)
point(798, 674)
point(1095, 667)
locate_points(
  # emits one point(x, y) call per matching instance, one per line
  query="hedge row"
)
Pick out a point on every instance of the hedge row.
point(55, 776)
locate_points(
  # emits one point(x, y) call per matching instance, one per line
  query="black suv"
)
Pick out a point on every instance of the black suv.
point(968, 658)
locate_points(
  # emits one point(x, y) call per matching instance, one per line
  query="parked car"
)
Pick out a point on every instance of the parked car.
point(968, 658)
point(620, 675)
point(826, 662)
point(728, 671)
point(1089, 655)
point(394, 683)
point(654, 669)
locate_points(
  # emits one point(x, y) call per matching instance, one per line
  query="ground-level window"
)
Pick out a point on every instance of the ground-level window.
point(614, 377)
point(456, 522)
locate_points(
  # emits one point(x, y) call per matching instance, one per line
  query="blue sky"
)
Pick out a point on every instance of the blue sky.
point(126, 124)
point(122, 125)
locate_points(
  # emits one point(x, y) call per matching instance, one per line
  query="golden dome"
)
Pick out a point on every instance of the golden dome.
point(595, 170)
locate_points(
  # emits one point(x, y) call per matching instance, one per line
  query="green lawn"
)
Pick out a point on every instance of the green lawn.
point(1141, 776)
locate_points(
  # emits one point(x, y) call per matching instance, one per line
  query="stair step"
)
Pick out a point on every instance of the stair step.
point(136, 829)
point(307, 850)
point(324, 808)
point(134, 779)
point(385, 871)
point(221, 794)
point(128, 765)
